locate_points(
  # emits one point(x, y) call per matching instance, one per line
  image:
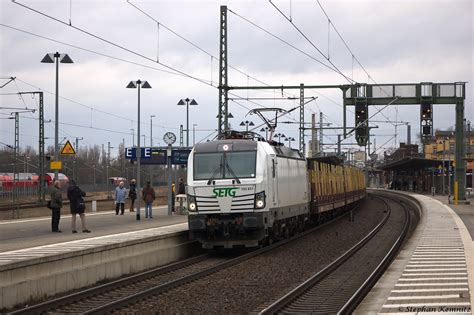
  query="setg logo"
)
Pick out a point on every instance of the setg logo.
point(224, 192)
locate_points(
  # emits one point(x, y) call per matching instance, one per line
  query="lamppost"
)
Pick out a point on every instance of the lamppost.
point(247, 124)
point(194, 134)
point(266, 132)
point(136, 85)
point(151, 130)
point(59, 58)
point(289, 139)
point(187, 102)
point(144, 142)
point(279, 135)
point(444, 166)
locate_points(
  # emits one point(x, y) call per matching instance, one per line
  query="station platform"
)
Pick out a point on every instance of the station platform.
point(434, 271)
point(36, 263)
point(25, 233)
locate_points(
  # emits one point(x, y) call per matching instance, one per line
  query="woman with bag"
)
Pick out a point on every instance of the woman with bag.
point(55, 205)
point(77, 205)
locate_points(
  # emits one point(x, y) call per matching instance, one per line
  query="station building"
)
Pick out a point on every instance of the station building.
point(407, 169)
point(443, 147)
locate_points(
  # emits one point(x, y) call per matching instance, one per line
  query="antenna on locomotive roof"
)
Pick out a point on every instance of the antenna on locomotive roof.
point(270, 122)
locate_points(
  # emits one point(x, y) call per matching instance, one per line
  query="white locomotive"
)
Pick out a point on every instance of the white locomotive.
point(243, 192)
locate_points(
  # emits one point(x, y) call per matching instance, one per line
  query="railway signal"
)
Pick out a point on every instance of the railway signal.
point(361, 123)
point(426, 120)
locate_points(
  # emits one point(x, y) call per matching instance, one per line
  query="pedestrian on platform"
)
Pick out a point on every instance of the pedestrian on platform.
point(132, 194)
point(56, 205)
point(173, 195)
point(120, 195)
point(76, 203)
point(181, 187)
point(148, 195)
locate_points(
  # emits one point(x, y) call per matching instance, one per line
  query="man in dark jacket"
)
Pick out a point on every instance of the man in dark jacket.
point(132, 194)
point(148, 195)
point(77, 205)
point(181, 187)
point(56, 205)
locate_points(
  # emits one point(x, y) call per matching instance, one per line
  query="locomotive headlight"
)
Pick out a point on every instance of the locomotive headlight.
point(192, 203)
point(259, 200)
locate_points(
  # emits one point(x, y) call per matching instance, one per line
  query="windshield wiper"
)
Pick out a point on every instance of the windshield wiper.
point(232, 172)
point(214, 173)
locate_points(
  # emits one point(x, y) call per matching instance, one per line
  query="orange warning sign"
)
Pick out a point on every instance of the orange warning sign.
point(68, 149)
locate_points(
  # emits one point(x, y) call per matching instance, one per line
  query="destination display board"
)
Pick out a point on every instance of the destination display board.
point(158, 155)
point(180, 156)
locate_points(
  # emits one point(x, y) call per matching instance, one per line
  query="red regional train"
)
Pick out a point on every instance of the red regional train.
point(28, 180)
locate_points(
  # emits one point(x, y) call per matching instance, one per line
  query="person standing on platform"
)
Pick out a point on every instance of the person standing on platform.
point(76, 203)
point(173, 195)
point(56, 205)
point(148, 195)
point(132, 194)
point(181, 187)
point(120, 195)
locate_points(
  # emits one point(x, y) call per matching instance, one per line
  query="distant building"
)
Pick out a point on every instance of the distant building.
point(443, 147)
point(405, 150)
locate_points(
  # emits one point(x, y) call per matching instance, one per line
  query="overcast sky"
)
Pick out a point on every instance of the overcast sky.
point(395, 41)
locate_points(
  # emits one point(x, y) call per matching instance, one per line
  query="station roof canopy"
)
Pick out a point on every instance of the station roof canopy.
point(410, 163)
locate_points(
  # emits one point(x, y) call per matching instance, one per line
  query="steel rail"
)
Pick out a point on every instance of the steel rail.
point(365, 288)
point(285, 300)
point(108, 307)
point(201, 274)
point(97, 290)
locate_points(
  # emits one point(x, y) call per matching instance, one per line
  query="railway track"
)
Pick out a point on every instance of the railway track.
point(121, 293)
point(133, 292)
point(340, 286)
point(95, 298)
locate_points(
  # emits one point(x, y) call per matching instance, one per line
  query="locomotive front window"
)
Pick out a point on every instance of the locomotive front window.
point(241, 163)
point(225, 165)
point(208, 165)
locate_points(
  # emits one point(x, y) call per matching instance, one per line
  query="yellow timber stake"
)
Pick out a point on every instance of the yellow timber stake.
point(456, 193)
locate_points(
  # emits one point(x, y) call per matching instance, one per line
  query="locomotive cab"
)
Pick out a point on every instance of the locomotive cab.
point(227, 194)
point(235, 188)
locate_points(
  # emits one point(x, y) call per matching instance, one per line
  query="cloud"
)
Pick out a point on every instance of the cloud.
point(396, 41)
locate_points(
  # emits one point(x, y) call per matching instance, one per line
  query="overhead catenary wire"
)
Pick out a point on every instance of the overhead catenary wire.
point(335, 68)
point(78, 125)
point(281, 39)
point(124, 48)
point(195, 45)
point(112, 43)
point(90, 50)
point(177, 72)
point(93, 108)
point(353, 56)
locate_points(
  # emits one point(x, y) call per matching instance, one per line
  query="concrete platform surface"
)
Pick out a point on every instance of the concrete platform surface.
point(25, 233)
point(434, 272)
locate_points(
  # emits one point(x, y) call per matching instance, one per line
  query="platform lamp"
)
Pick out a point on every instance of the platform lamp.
point(187, 102)
point(289, 139)
point(58, 58)
point(247, 124)
point(266, 132)
point(137, 85)
point(279, 136)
